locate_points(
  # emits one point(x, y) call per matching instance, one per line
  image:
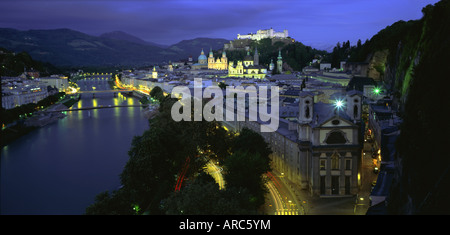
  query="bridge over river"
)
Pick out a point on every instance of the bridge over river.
point(90, 108)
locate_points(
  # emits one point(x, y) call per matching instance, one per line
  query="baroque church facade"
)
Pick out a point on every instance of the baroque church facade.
point(319, 151)
point(219, 63)
point(248, 68)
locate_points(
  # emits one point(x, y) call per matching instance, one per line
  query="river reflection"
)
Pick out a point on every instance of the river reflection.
point(60, 168)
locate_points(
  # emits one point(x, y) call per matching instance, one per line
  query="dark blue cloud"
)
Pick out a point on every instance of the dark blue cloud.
point(319, 23)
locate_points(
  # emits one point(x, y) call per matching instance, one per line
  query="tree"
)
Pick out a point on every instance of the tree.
point(157, 93)
point(253, 142)
point(203, 197)
point(245, 170)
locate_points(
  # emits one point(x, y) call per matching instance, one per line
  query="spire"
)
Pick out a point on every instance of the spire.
point(279, 54)
point(211, 52)
point(256, 57)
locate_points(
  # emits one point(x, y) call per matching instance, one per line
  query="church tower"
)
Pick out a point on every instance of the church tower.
point(211, 59)
point(305, 115)
point(154, 73)
point(279, 63)
point(224, 60)
point(305, 105)
point(271, 65)
point(256, 57)
point(353, 104)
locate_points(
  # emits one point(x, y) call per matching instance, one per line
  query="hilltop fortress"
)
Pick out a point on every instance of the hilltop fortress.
point(264, 33)
point(242, 42)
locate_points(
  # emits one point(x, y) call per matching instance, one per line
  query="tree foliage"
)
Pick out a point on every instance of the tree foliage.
point(203, 197)
point(423, 186)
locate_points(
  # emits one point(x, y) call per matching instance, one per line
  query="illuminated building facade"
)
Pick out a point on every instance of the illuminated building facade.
point(248, 68)
point(219, 63)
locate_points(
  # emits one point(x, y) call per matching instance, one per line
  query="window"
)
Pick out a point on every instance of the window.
point(322, 164)
point(348, 164)
point(355, 111)
point(336, 137)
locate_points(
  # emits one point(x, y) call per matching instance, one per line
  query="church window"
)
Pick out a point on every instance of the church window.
point(335, 122)
point(322, 164)
point(355, 111)
point(348, 163)
point(307, 112)
point(336, 137)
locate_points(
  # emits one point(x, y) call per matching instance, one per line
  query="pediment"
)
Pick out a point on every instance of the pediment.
point(336, 121)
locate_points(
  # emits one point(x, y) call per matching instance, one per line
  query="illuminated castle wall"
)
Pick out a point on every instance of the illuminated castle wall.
point(264, 33)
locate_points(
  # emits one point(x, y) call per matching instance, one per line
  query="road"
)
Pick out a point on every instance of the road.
point(280, 200)
point(216, 172)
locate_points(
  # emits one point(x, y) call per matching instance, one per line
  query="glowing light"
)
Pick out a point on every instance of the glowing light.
point(339, 104)
point(376, 90)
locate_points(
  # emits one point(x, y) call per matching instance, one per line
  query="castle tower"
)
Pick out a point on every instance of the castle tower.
point(279, 62)
point(256, 57)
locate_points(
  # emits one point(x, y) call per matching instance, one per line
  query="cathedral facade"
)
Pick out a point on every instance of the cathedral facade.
point(219, 63)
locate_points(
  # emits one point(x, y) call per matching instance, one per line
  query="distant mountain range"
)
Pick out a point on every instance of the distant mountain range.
point(66, 47)
point(119, 35)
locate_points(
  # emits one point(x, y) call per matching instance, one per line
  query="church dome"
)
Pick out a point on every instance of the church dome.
point(202, 56)
point(248, 57)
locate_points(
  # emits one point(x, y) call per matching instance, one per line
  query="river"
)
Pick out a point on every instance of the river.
point(58, 169)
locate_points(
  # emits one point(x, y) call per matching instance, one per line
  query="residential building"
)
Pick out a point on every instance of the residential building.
point(60, 82)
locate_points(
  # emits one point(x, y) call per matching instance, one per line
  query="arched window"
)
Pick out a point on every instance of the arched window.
point(355, 111)
point(307, 112)
point(336, 137)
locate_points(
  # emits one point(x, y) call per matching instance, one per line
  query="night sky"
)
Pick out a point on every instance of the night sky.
point(318, 23)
